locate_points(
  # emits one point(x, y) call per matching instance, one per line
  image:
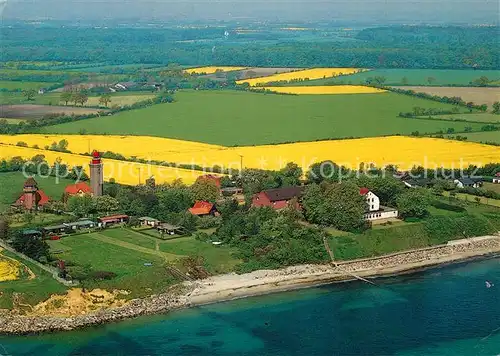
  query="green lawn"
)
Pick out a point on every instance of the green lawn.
point(22, 85)
point(128, 264)
point(130, 237)
point(486, 118)
point(218, 259)
point(244, 118)
point(483, 137)
point(495, 187)
point(472, 199)
point(443, 77)
point(33, 291)
point(11, 187)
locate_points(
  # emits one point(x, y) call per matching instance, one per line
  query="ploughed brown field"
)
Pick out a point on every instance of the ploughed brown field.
point(476, 95)
point(29, 111)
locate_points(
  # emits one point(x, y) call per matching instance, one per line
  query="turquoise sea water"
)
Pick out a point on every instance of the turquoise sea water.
point(444, 311)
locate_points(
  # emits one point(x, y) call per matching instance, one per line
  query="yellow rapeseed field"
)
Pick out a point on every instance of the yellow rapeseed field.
point(326, 90)
point(212, 69)
point(154, 148)
point(9, 269)
point(315, 73)
point(404, 152)
point(122, 172)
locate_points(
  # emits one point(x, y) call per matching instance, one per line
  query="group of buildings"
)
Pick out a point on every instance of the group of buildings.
point(34, 198)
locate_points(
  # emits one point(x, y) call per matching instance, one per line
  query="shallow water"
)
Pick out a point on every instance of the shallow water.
point(445, 311)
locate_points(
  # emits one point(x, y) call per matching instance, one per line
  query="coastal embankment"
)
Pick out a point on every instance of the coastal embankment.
point(232, 286)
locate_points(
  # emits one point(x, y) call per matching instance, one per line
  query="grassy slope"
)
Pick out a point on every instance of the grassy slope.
point(11, 187)
point(390, 239)
point(126, 263)
point(17, 85)
point(242, 118)
point(33, 291)
point(485, 118)
point(443, 77)
point(491, 136)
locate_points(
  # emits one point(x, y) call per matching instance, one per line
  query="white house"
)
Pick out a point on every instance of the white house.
point(465, 182)
point(496, 179)
point(375, 211)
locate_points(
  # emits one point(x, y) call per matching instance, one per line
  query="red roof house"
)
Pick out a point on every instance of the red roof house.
point(79, 188)
point(41, 199)
point(277, 198)
point(203, 208)
point(364, 191)
point(32, 197)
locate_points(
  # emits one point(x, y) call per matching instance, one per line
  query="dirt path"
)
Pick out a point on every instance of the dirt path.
point(130, 246)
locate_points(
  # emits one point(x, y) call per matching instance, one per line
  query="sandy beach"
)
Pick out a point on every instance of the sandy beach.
point(233, 286)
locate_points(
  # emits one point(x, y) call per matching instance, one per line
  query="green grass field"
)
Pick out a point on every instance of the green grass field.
point(494, 187)
point(485, 118)
point(244, 118)
point(33, 291)
point(128, 264)
point(16, 85)
point(11, 187)
point(483, 137)
point(442, 77)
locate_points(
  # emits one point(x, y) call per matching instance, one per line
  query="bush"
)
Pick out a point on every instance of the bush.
point(450, 207)
point(101, 275)
point(208, 222)
point(444, 228)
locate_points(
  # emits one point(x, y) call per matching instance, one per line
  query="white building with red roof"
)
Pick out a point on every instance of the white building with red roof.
point(375, 211)
point(496, 178)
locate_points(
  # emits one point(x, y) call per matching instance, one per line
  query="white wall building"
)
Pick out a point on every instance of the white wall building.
point(375, 211)
point(496, 179)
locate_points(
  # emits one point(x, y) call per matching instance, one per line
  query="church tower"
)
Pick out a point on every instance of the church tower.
point(96, 174)
point(30, 190)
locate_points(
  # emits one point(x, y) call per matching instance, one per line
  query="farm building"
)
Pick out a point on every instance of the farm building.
point(32, 197)
point(113, 219)
point(69, 227)
point(375, 211)
point(32, 234)
point(277, 198)
point(168, 229)
point(148, 221)
point(496, 179)
point(469, 182)
point(203, 208)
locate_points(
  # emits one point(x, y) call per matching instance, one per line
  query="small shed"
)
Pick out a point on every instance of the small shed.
point(114, 219)
point(148, 221)
point(81, 224)
point(56, 229)
point(168, 229)
point(32, 233)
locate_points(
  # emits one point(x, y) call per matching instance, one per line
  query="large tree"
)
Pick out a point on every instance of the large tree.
point(29, 94)
point(414, 203)
point(337, 205)
point(205, 189)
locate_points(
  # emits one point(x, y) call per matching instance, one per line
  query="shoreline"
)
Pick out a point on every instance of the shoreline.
point(232, 286)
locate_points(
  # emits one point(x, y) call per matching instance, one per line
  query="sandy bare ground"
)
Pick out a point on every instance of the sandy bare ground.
point(476, 95)
point(29, 111)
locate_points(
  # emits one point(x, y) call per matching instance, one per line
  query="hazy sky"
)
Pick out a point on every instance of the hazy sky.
point(391, 11)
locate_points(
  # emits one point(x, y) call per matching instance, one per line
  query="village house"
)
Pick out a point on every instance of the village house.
point(374, 210)
point(78, 189)
point(203, 208)
point(496, 179)
point(468, 182)
point(148, 221)
point(32, 198)
point(277, 198)
point(113, 219)
point(168, 229)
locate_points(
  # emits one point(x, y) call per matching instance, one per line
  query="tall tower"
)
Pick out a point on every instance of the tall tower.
point(96, 174)
point(30, 190)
